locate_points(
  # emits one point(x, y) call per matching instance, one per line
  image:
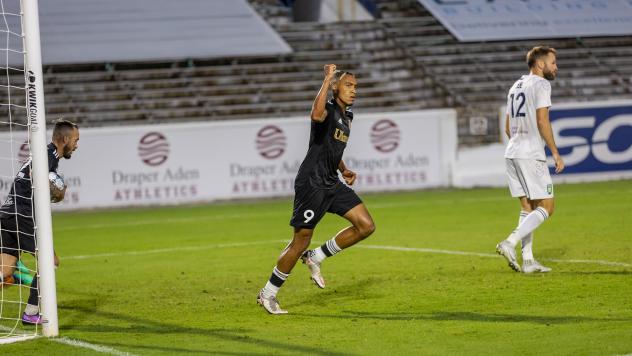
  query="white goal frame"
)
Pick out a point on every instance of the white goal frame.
point(37, 130)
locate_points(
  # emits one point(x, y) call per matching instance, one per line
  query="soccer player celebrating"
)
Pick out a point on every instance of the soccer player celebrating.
point(318, 189)
point(528, 128)
point(16, 215)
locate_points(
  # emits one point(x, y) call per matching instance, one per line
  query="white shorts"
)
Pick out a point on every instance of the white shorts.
point(530, 178)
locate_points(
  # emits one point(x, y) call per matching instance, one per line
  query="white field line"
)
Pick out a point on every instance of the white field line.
point(210, 217)
point(491, 255)
point(373, 247)
point(165, 221)
point(89, 346)
point(252, 215)
point(17, 335)
point(21, 336)
point(167, 250)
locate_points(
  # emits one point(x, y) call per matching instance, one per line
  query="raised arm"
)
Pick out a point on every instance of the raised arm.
point(544, 126)
point(318, 107)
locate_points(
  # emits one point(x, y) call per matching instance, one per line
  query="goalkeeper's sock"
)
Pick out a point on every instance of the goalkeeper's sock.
point(328, 249)
point(528, 225)
point(34, 295)
point(275, 282)
point(31, 309)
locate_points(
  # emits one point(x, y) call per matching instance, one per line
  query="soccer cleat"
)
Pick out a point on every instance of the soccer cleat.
point(31, 319)
point(509, 253)
point(270, 304)
point(314, 269)
point(530, 266)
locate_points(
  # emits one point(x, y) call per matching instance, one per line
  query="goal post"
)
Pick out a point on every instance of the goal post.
point(35, 109)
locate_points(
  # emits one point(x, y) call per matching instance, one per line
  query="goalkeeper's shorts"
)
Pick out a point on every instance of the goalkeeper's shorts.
point(18, 234)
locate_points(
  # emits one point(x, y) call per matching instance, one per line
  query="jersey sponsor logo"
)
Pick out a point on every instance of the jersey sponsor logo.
point(385, 136)
point(340, 135)
point(153, 149)
point(271, 142)
point(593, 139)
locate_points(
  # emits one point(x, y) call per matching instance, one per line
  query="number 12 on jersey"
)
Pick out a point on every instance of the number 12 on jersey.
point(519, 100)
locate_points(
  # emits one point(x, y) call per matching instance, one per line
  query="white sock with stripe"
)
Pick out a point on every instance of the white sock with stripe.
point(328, 249)
point(528, 225)
point(527, 241)
point(277, 278)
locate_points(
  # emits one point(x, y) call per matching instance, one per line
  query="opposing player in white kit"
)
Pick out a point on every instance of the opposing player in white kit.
point(528, 128)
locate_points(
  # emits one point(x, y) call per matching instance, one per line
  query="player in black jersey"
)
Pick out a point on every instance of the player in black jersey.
point(318, 189)
point(17, 222)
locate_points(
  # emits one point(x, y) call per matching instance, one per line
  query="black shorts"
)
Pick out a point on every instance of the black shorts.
point(17, 235)
point(311, 204)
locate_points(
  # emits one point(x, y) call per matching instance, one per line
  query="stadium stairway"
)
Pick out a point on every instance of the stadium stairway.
point(405, 60)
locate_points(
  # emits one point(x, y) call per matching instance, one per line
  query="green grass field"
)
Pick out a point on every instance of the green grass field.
point(183, 280)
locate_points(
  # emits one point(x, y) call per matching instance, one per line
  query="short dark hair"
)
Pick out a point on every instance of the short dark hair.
point(337, 76)
point(538, 52)
point(63, 128)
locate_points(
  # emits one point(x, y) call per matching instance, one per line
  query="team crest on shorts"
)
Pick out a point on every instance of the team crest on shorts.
point(549, 188)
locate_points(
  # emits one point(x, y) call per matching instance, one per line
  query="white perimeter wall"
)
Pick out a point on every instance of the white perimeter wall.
point(593, 138)
point(183, 163)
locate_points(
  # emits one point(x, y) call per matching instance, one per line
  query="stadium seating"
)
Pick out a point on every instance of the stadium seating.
point(405, 60)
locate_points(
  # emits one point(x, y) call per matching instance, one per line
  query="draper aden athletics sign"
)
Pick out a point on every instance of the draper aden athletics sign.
point(184, 163)
point(489, 20)
point(593, 138)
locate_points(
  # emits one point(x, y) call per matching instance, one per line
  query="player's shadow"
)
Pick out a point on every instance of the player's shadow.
point(468, 316)
point(350, 291)
point(138, 325)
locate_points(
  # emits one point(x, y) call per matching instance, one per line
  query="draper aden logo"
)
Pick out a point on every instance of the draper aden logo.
point(597, 139)
point(153, 149)
point(271, 142)
point(385, 136)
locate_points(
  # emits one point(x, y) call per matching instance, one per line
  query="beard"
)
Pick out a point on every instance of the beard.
point(67, 153)
point(548, 75)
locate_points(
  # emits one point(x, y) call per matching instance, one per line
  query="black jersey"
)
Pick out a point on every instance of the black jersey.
point(327, 143)
point(20, 197)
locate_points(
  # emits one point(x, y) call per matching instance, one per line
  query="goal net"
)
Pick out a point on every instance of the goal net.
point(25, 224)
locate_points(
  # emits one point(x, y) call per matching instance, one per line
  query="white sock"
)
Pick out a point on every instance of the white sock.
point(31, 309)
point(527, 241)
point(528, 225)
point(274, 283)
point(328, 249)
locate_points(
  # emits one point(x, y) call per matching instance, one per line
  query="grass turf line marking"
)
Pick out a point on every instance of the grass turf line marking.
point(374, 247)
point(89, 346)
point(15, 335)
point(478, 254)
point(165, 221)
point(67, 341)
point(164, 250)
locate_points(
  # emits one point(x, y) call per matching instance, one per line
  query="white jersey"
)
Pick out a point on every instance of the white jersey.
point(529, 93)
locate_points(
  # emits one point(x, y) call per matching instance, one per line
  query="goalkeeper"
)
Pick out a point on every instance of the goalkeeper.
point(17, 224)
